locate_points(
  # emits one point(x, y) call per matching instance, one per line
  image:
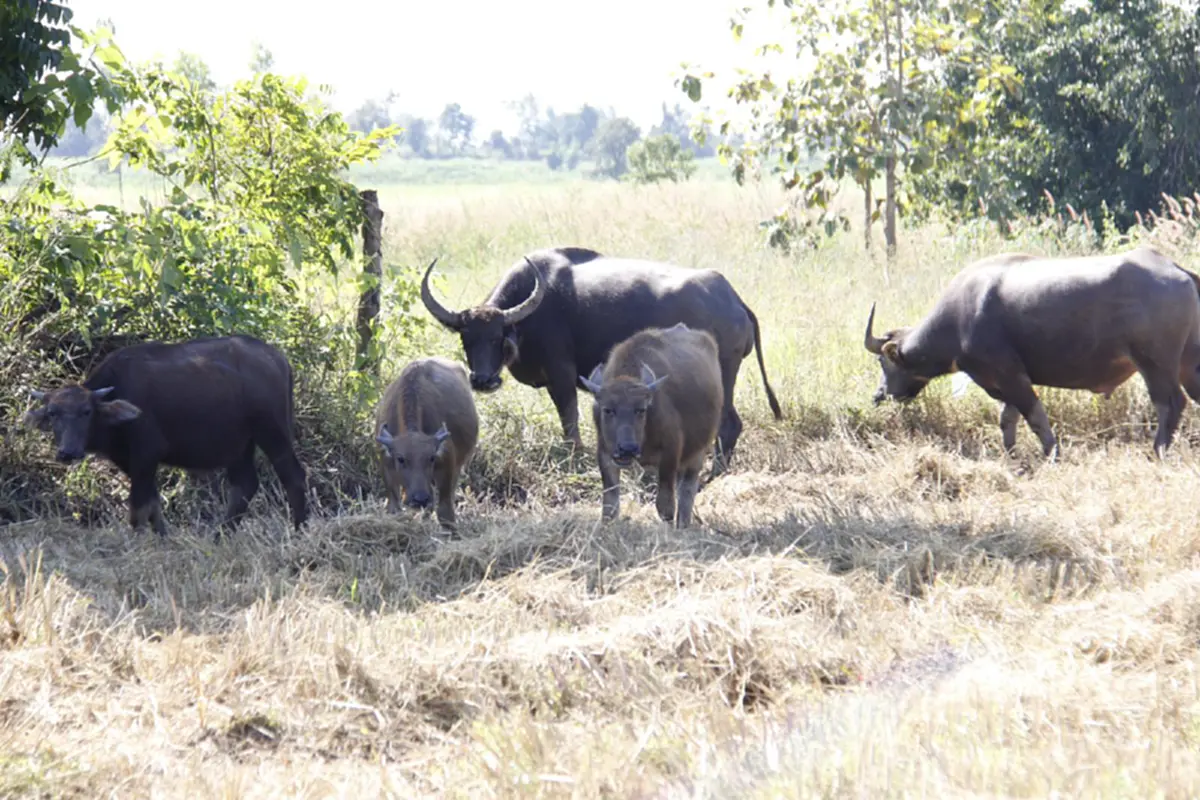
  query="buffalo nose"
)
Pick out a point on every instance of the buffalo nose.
point(66, 456)
point(628, 451)
point(419, 499)
point(879, 396)
point(485, 382)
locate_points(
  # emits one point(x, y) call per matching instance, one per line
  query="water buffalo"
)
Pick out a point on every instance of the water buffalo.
point(199, 405)
point(658, 401)
point(427, 427)
point(1014, 321)
point(557, 313)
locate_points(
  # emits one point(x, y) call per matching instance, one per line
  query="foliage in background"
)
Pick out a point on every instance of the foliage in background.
point(883, 94)
point(972, 108)
point(659, 158)
point(257, 202)
point(44, 82)
point(610, 146)
point(1110, 94)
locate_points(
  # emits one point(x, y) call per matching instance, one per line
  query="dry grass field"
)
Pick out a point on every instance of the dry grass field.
point(876, 602)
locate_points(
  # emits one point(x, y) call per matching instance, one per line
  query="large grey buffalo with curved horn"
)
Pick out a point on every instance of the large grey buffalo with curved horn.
point(1015, 320)
point(558, 313)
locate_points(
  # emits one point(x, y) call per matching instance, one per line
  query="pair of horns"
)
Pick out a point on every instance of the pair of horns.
point(592, 383)
point(454, 319)
point(386, 438)
point(98, 394)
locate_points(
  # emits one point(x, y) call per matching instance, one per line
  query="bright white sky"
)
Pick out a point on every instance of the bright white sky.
point(480, 53)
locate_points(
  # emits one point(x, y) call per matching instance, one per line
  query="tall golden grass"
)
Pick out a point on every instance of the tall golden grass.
point(875, 603)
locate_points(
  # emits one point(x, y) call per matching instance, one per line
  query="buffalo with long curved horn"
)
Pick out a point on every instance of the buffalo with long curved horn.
point(872, 342)
point(451, 319)
point(454, 319)
point(558, 313)
point(1015, 321)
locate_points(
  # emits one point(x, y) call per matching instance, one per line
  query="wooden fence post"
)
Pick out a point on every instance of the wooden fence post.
point(368, 302)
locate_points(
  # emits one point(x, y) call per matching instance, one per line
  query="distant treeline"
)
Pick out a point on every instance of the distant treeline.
point(600, 137)
point(562, 140)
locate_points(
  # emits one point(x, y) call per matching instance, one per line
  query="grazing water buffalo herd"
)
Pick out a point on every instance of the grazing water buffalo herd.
point(659, 348)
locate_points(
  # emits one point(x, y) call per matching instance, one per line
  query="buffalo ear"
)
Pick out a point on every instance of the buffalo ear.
point(511, 351)
point(891, 349)
point(118, 411)
point(37, 418)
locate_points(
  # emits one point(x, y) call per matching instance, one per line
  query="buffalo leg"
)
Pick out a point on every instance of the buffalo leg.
point(292, 475)
point(1169, 401)
point(447, 480)
point(1015, 390)
point(152, 513)
point(278, 446)
point(727, 437)
point(144, 502)
point(1018, 393)
point(665, 501)
point(731, 424)
point(689, 484)
point(566, 400)
point(1039, 422)
point(1009, 415)
point(391, 482)
point(610, 481)
point(243, 485)
point(394, 501)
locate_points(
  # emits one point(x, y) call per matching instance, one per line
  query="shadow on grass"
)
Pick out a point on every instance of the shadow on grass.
point(370, 560)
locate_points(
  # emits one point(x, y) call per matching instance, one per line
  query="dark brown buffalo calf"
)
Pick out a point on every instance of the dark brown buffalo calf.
point(658, 401)
point(199, 405)
point(427, 428)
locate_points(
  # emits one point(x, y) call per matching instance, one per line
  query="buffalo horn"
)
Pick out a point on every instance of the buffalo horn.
point(37, 394)
point(384, 437)
point(451, 319)
point(649, 378)
point(517, 313)
point(873, 343)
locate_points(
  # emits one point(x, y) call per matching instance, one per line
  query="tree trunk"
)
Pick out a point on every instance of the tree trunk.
point(368, 302)
point(867, 214)
point(889, 138)
point(891, 164)
point(889, 213)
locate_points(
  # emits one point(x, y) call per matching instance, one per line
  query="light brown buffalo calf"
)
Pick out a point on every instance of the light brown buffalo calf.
point(427, 427)
point(658, 401)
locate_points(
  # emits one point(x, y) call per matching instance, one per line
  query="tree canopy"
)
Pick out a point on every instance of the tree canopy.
point(969, 108)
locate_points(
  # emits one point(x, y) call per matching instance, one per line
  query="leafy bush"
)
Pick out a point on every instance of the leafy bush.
point(258, 223)
point(660, 158)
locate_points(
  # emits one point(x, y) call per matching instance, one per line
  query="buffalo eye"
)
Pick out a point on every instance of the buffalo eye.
point(400, 460)
point(641, 412)
point(433, 459)
point(608, 412)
